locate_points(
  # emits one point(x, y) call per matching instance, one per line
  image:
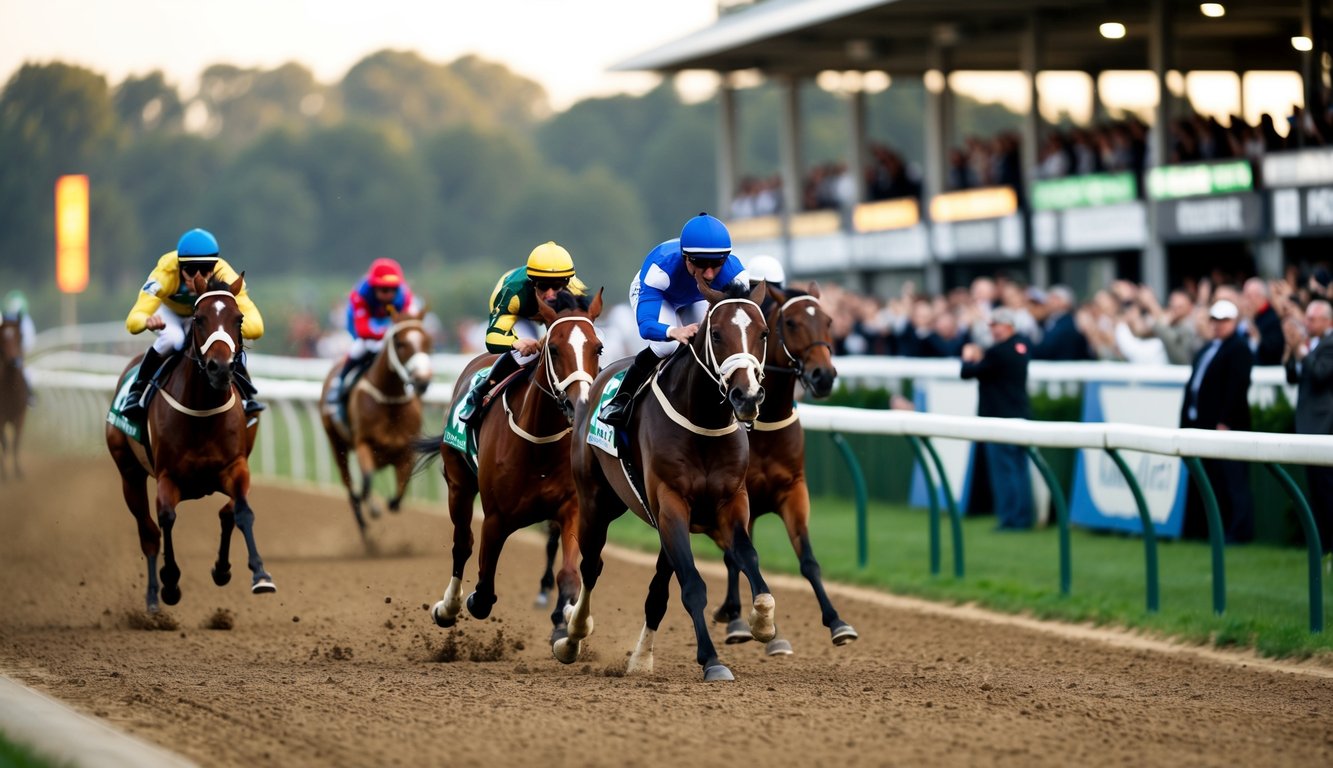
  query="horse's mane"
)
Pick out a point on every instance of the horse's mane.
point(736, 290)
point(564, 301)
point(216, 284)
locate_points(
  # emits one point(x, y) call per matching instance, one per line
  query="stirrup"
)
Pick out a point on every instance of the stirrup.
point(617, 412)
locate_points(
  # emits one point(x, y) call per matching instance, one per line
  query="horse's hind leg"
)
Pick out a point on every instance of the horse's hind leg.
point(548, 576)
point(729, 612)
point(654, 608)
point(222, 568)
point(795, 511)
point(168, 496)
point(462, 493)
point(134, 486)
point(238, 487)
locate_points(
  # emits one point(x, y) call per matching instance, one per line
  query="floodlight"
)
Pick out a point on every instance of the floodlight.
point(1112, 30)
point(1212, 10)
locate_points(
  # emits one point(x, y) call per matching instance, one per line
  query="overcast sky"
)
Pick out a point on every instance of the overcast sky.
point(567, 45)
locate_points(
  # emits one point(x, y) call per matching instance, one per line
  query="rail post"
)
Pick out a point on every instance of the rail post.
point(1313, 546)
point(1149, 531)
point(955, 517)
point(1214, 532)
point(859, 484)
point(1061, 514)
point(920, 452)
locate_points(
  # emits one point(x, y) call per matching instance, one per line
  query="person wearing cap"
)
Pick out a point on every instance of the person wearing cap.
point(1217, 397)
point(1309, 365)
point(667, 303)
point(1319, 282)
point(368, 319)
point(515, 314)
point(767, 269)
point(1002, 392)
point(166, 303)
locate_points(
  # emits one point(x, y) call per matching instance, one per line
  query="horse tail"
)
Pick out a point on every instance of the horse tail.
point(427, 449)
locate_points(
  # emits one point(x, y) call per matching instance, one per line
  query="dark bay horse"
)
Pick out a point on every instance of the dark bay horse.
point(200, 442)
point(522, 458)
point(691, 453)
point(800, 348)
point(383, 413)
point(13, 393)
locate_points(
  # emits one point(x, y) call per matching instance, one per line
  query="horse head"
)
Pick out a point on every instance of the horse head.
point(803, 337)
point(731, 340)
point(408, 345)
point(215, 328)
point(571, 353)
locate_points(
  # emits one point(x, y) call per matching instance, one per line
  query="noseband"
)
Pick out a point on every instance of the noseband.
point(797, 367)
point(219, 335)
point(557, 388)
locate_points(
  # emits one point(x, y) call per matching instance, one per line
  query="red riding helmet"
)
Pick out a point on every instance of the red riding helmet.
point(385, 273)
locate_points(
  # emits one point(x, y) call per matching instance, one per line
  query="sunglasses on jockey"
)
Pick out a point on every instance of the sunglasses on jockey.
point(551, 284)
point(192, 268)
point(711, 261)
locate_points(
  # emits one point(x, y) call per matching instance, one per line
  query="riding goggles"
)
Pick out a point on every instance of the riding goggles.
point(556, 284)
point(706, 262)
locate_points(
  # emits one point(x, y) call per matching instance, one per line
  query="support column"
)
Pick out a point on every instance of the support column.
point(1038, 265)
point(789, 146)
point(1153, 264)
point(856, 142)
point(726, 147)
point(939, 135)
point(1309, 60)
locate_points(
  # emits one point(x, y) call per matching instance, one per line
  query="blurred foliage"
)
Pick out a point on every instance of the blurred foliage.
point(457, 170)
point(1279, 416)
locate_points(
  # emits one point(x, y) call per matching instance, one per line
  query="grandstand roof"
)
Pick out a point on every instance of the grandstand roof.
point(804, 37)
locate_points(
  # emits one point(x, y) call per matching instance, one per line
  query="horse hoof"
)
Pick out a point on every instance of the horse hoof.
point(761, 618)
point(738, 632)
point(395, 505)
point(565, 650)
point(543, 600)
point(375, 511)
point(843, 633)
point(558, 634)
point(480, 609)
point(152, 607)
point(171, 594)
point(441, 620)
point(778, 646)
point(717, 673)
point(264, 586)
point(724, 615)
point(588, 625)
point(221, 578)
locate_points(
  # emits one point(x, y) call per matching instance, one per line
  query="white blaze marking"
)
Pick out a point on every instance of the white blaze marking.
point(810, 311)
point(218, 306)
point(577, 341)
point(742, 320)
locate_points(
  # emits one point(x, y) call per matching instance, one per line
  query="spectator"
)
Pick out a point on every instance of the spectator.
point(1309, 363)
point(1216, 397)
point(1061, 339)
point(946, 340)
point(1002, 375)
point(1261, 326)
point(1173, 325)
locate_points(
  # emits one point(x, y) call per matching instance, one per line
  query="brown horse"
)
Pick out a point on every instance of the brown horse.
point(686, 444)
point(800, 348)
point(522, 458)
point(383, 412)
point(200, 442)
point(13, 392)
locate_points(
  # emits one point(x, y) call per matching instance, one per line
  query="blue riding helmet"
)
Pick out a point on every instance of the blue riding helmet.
point(197, 245)
point(705, 234)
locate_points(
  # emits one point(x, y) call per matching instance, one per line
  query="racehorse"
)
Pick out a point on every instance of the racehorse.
point(800, 347)
point(383, 412)
point(196, 429)
point(13, 392)
point(522, 458)
point(686, 446)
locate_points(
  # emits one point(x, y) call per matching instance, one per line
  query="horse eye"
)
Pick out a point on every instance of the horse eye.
point(717, 336)
point(600, 349)
point(791, 323)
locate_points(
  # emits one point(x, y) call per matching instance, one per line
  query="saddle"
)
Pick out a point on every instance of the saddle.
point(457, 434)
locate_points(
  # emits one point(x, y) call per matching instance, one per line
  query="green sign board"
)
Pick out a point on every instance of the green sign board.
point(1195, 180)
point(1083, 191)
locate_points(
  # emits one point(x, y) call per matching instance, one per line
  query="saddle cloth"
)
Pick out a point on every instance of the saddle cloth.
point(458, 435)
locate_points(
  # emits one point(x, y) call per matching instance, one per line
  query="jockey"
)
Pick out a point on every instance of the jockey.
point(514, 315)
point(16, 309)
point(368, 318)
point(166, 303)
point(667, 302)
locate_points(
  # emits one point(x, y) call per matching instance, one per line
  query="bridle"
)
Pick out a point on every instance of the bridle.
point(197, 351)
point(558, 390)
point(720, 372)
point(797, 367)
point(396, 365)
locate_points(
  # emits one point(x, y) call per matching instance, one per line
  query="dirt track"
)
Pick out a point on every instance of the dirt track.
point(341, 666)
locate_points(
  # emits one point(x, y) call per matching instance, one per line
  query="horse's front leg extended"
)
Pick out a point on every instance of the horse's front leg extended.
point(462, 493)
point(494, 532)
point(222, 568)
point(564, 530)
point(168, 496)
point(795, 511)
point(654, 608)
point(365, 458)
point(597, 508)
point(673, 525)
point(237, 482)
point(402, 472)
point(735, 517)
point(135, 489)
point(548, 576)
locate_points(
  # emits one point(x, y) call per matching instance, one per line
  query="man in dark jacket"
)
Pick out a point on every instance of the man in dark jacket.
point(1310, 366)
point(1002, 378)
point(1263, 328)
point(1217, 397)
point(1061, 340)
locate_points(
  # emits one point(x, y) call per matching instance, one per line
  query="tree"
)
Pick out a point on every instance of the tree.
point(148, 103)
point(244, 104)
point(166, 177)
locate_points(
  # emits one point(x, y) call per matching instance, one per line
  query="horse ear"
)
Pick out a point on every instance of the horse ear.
point(595, 308)
point(710, 295)
point(546, 311)
point(392, 311)
point(757, 293)
point(777, 294)
point(423, 308)
point(237, 285)
point(198, 284)
point(813, 290)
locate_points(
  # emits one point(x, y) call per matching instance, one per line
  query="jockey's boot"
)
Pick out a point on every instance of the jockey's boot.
point(242, 376)
point(616, 413)
point(134, 405)
point(334, 396)
point(502, 368)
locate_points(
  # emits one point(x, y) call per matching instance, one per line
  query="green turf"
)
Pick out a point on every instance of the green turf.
point(13, 755)
point(1018, 572)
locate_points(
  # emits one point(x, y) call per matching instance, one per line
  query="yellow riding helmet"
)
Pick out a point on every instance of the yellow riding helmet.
point(549, 260)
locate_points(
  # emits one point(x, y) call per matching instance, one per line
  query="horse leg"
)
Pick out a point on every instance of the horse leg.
point(761, 612)
point(134, 486)
point(462, 494)
point(18, 433)
point(222, 568)
point(365, 458)
point(673, 518)
point(341, 459)
point(595, 516)
point(168, 496)
point(548, 576)
point(795, 511)
point(564, 530)
point(654, 608)
point(729, 613)
point(238, 485)
point(4, 452)
point(494, 532)
point(402, 472)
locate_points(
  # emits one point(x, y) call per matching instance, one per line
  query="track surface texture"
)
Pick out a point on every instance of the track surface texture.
point(343, 666)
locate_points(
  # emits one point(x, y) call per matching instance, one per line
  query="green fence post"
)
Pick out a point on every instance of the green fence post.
point(1061, 514)
point(1313, 546)
point(915, 442)
point(955, 517)
point(1214, 532)
point(859, 483)
point(1149, 530)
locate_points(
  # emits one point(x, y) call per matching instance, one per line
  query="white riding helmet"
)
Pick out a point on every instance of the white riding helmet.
point(765, 267)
